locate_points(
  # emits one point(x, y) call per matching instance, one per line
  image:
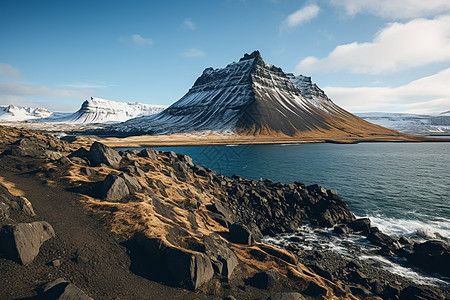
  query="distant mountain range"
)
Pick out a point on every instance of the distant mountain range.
point(411, 123)
point(94, 110)
point(251, 97)
point(14, 113)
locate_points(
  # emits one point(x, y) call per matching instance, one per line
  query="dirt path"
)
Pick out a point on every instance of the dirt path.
point(92, 257)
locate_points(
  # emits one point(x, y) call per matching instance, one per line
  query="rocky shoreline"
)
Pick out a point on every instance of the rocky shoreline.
point(187, 230)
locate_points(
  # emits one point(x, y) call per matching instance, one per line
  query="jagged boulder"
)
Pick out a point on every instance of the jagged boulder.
point(265, 280)
point(80, 152)
point(61, 289)
point(432, 256)
point(148, 152)
point(223, 211)
point(360, 225)
point(243, 234)
point(381, 239)
point(287, 296)
point(223, 259)
point(132, 183)
point(102, 154)
point(192, 269)
point(113, 188)
point(21, 242)
point(10, 203)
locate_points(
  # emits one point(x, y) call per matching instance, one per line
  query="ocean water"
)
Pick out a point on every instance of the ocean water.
point(403, 187)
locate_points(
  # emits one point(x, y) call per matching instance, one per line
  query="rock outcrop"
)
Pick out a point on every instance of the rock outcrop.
point(101, 154)
point(61, 289)
point(432, 256)
point(21, 242)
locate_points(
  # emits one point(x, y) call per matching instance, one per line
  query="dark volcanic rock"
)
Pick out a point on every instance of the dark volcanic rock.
point(21, 242)
point(243, 234)
point(222, 257)
point(150, 153)
point(222, 210)
point(360, 225)
point(432, 256)
point(37, 147)
point(102, 154)
point(265, 280)
point(132, 183)
point(420, 293)
point(175, 266)
point(381, 239)
point(192, 269)
point(113, 188)
point(278, 208)
point(80, 152)
point(61, 289)
point(287, 296)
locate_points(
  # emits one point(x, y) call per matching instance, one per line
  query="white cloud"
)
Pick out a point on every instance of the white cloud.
point(189, 24)
point(9, 71)
point(141, 41)
point(426, 95)
point(396, 47)
point(396, 9)
point(24, 89)
point(193, 52)
point(302, 16)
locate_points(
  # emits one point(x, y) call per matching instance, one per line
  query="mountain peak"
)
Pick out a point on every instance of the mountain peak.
point(254, 54)
point(252, 97)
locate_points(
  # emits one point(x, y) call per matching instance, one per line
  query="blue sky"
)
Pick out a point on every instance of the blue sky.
point(372, 55)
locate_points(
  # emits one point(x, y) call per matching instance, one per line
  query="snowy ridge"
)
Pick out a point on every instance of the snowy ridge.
point(13, 113)
point(211, 104)
point(98, 110)
point(411, 123)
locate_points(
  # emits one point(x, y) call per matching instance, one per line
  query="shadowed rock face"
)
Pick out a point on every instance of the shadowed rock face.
point(253, 97)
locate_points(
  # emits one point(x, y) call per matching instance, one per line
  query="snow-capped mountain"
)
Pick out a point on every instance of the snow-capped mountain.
point(13, 113)
point(411, 123)
point(253, 97)
point(96, 110)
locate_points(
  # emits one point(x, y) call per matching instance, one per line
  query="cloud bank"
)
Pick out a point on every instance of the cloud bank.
point(397, 47)
point(428, 95)
point(395, 9)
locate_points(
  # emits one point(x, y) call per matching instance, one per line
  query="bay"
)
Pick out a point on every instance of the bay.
point(403, 187)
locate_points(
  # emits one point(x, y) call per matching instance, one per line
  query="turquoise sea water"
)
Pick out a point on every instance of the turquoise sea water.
point(403, 187)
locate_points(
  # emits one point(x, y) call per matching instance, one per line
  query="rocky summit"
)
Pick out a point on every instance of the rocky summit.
point(252, 97)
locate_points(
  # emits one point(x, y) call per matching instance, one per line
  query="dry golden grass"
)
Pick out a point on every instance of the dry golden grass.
point(11, 187)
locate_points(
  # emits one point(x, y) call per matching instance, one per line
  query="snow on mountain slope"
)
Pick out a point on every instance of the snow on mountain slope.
point(256, 98)
point(411, 123)
point(98, 110)
point(13, 113)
